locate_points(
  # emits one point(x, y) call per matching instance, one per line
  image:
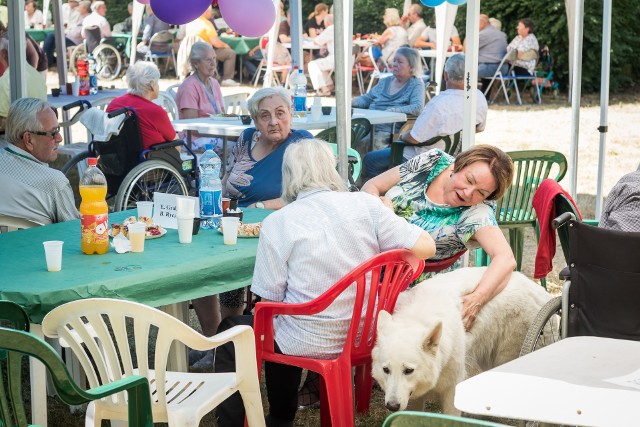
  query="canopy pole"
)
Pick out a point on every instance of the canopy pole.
point(267, 80)
point(61, 43)
point(17, 50)
point(471, 74)
point(342, 38)
point(295, 11)
point(604, 99)
point(575, 95)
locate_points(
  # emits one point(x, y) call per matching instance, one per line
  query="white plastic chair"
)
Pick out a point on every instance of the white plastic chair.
point(167, 102)
point(376, 73)
point(98, 330)
point(11, 223)
point(236, 103)
point(173, 91)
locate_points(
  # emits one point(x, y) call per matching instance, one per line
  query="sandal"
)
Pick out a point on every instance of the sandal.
point(309, 394)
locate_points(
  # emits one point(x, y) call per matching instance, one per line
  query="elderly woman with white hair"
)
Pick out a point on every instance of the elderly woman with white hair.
point(393, 37)
point(155, 126)
point(254, 168)
point(199, 95)
point(341, 231)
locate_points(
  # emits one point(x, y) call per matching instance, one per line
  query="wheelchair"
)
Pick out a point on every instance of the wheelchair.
point(134, 174)
point(110, 54)
point(601, 292)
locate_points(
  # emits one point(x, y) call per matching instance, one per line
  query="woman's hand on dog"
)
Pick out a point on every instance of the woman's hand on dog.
point(471, 306)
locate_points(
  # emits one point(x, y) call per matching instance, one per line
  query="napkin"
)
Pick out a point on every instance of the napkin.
point(121, 244)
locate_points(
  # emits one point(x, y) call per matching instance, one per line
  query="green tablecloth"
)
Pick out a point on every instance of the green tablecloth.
point(166, 272)
point(241, 45)
point(39, 35)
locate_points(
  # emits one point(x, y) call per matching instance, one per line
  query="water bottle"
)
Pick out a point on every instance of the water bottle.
point(300, 94)
point(210, 189)
point(93, 78)
point(94, 210)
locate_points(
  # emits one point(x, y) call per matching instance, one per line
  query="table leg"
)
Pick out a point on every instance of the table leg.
point(223, 168)
point(178, 354)
point(189, 138)
point(38, 385)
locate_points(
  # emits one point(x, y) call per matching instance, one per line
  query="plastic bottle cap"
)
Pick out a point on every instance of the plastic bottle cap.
point(208, 147)
point(92, 161)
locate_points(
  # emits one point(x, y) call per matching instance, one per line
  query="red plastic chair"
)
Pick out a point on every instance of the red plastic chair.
point(395, 269)
point(441, 264)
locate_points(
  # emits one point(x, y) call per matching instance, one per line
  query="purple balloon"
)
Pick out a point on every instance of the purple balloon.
point(179, 12)
point(251, 18)
point(144, 1)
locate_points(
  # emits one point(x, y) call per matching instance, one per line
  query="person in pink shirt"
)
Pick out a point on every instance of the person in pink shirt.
point(199, 95)
point(154, 123)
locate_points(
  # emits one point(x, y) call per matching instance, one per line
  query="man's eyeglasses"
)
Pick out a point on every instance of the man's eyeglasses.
point(51, 134)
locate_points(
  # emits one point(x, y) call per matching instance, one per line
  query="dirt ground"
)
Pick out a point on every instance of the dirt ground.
point(510, 127)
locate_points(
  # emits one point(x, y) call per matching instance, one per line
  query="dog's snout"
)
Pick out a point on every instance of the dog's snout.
point(393, 406)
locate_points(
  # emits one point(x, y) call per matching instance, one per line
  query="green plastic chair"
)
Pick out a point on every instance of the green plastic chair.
point(515, 211)
point(18, 343)
point(428, 419)
point(355, 161)
point(360, 127)
point(452, 146)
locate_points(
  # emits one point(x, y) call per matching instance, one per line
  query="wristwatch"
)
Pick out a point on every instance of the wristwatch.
point(259, 205)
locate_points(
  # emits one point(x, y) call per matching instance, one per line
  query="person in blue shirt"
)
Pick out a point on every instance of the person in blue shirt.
point(254, 167)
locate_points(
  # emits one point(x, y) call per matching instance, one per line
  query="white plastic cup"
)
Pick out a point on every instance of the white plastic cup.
point(185, 229)
point(137, 234)
point(145, 209)
point(75, 88)
point(185, 207)
point(230, 229)
point(53, 254)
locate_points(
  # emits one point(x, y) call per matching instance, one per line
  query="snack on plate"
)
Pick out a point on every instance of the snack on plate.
point(115, 229)
point(152, 230)
point(148, 221)
point(249, 230)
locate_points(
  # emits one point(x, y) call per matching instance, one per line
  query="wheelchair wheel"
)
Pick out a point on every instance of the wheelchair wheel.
point(546, 327)
point(147, 178)
point(73, 170)
point(76, 53)
point(108, 61)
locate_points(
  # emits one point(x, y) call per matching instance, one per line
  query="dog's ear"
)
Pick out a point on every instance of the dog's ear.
point(384, 319)
point(432, 339)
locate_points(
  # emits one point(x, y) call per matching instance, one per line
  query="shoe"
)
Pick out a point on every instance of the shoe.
point(309, 394)
point(229, 82)
point(204, 364)
point(196, 355)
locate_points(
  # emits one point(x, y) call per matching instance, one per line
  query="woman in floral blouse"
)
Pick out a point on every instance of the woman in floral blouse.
point(454, 200)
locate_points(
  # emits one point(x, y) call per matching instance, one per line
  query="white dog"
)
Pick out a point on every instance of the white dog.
point(423, 348)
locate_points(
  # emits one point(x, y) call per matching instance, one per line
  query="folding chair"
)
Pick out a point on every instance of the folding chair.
point(512, 80)
point(376, 73)
point(161, 46)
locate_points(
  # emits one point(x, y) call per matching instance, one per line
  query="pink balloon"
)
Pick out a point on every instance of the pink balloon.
point(251, 18)
point(179, 12)
point(144, 1)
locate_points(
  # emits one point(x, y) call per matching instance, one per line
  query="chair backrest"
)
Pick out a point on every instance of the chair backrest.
point(92, 38)
point(375, 61)
point(112, 340)
point(531, 167)
point(605, 291)
point(173, 91)
point(167, 102)
point(13, 316)
point(361, 128)
point(452, 146)
point(427, 419)
point(19, 344)
point(11, 223)
point(355, 161)
point(562, 205)
point(161, 43)
point(236, 103)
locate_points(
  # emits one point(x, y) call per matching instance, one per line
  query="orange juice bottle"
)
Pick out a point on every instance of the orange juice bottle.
point(94, 210)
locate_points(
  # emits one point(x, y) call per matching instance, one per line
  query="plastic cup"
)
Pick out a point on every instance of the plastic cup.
point(55, 92)
point(185, 207)
point(53, 254)
point(185, 229)
point(145, 209)
point(196, 226)
point(137, 232)
point(230, 229)
point(75, 88)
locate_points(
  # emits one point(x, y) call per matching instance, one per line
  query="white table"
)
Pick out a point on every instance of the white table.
point(431, 54)
point(564, 383)
point(233, 128)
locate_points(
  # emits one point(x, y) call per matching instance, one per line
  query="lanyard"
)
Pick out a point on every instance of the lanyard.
point(209, 95)
point(20, 155)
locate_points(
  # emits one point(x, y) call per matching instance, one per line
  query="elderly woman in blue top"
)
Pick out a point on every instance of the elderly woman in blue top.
point(403, 92)
point(254, 168)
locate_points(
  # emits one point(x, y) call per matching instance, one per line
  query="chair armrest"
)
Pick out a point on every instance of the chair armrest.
point(397, 148)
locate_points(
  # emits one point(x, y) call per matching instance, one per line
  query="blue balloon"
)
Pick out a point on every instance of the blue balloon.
point(457, 2)
point(432, 3)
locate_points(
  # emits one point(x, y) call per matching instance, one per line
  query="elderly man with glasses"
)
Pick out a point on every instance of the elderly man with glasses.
point(30, 188)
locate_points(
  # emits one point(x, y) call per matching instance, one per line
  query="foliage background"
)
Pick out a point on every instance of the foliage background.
point(550, 20)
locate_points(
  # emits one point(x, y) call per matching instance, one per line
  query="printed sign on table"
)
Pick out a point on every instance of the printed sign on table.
point(164, 209)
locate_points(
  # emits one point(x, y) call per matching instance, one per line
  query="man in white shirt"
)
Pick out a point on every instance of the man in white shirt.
point(414, 17)
point(443, 115)
point(97, 19)
point(73, 29)
point(320, 69)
